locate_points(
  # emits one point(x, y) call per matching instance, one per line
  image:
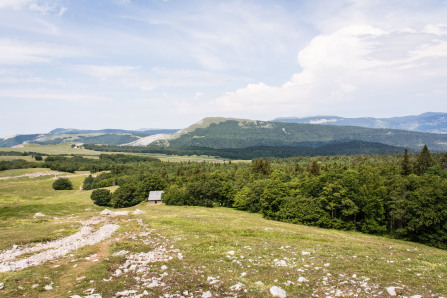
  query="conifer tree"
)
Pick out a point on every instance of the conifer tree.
point(424, 161)
point(315, 168)
point(444, 162)
point(405, 165)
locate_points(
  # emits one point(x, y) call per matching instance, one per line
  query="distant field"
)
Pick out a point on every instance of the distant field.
point(65, 148)
point(20, 172)
point(62, 148)
point(194, 251)
point(27, 158)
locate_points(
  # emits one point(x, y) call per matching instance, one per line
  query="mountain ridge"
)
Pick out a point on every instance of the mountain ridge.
point(432, 122)
point(242, 133)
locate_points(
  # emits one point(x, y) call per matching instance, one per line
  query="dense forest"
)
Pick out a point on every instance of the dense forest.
point(401, 195)
point(238, 134)
point(305, 149)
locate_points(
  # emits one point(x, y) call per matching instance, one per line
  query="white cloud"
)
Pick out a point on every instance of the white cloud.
point(351, 65)
point(107, 71)
point(14, 52)
point(39, 6)
point(52, 95)
point(15, 4)
point(135, 77)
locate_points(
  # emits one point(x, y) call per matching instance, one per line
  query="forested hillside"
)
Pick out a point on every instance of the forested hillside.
point(234, 134)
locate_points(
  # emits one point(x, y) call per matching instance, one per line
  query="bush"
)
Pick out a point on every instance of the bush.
point(101, 197)
point(88, 183)
point(62, 184)
point(125, 196)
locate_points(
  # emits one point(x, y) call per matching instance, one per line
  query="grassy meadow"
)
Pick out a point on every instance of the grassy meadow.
point(66, 149)
point(198, 252)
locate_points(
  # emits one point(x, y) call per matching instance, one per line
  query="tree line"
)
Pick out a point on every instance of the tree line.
point(400, 195)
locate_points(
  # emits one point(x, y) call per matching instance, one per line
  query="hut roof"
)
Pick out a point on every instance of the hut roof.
point(155, 195)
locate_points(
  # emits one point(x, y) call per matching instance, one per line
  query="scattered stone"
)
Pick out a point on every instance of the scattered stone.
point(327, 265)
point(120, 253)
point(278, 292)
point(138, 211)
point(243, 274)
point(48, 287)
point(125, 293)
point(34, 286)
point(207, 294)
point(117, 273)
point(2, 285)
point(106, 212)
point(38, 214)
point(391, 291)
point(231, 252)
point(164, 267)
point(281, 263)
point(305, 253)
point(237, 287)
point(302, 279)
point(259, 283)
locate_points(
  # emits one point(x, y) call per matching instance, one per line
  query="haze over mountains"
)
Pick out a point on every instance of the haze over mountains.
point(427, 122)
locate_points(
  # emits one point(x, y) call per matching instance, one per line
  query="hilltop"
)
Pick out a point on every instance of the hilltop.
point(220, 133)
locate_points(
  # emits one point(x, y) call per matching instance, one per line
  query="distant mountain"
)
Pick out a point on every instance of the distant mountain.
point(427, 122)
point(221, 133)
point(71, 135)
point(147, 131)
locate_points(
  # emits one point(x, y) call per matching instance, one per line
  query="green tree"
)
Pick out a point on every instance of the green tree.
point(261, 166)
point(444, 162)
point(154, 182)
point(125, 196)
point(101, 197)
point(405, 165)
point(62, 184)
point(314, 168)
point(424, 161)
point(248, 198)
point(88, 183)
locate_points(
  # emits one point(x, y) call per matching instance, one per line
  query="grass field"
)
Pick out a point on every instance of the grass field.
point(194, 251)
point(66, 149)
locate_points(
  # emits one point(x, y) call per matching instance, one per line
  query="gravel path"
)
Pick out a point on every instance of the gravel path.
point(54, 249)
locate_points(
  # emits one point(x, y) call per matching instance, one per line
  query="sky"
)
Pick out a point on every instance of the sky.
point(135, 64)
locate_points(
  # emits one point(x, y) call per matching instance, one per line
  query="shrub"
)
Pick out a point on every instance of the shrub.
point(101, 197)
point(88, 183)
point(125, 196)
point(62, 184)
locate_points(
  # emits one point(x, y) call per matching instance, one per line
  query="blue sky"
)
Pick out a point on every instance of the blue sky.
point(166, 64)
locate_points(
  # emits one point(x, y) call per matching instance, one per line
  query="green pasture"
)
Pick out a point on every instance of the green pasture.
point(66, 149)
point(216, 244)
